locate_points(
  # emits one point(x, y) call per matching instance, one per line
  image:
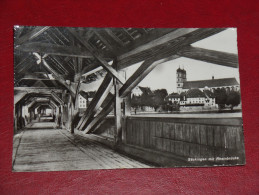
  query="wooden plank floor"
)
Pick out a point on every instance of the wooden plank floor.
point(43, 148)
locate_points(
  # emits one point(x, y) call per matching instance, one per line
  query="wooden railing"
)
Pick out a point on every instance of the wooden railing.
point(185, 137)
point(192, 137)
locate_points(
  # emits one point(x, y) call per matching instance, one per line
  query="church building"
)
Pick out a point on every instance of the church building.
point(230, 84)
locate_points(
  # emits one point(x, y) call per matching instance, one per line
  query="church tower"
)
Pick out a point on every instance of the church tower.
point(180, 79)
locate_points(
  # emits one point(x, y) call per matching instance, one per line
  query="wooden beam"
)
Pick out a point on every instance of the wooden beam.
point(90, 67)
point(30, 101)
point(55, 97)
point(141, 73)
point(31, 104)
point(86, 34)
point(126, 33)
point(161, 41)
point(62, 35)
point(152, 35)
point(177, 38)
point(30, 35)
point(106, 42)
point(107, 100)
point(77, 62)
point(27, 99)
point(117, 108)
point(38, 98)
point(77, 95)
point(52, 104)
point(24, 68)
point(38, 89)
point(150, 64)
point(62, 62)
point(55, 49)
point(59, 78)
point(19, 95)
point(117, 113)
point(59, 65)
point(23, 60)
point(79, 65)
point(114, 37)
point(54, 37)
point(206, 55)
point(142, 30)
point(97, 56)
point(37, 103)
point(25, 63)
point(100, 117)
point(97, 101)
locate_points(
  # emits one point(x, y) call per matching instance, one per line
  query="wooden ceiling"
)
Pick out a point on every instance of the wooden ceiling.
point(66, 51)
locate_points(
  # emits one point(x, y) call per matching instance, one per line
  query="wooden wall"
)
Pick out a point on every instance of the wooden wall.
point(190, 138)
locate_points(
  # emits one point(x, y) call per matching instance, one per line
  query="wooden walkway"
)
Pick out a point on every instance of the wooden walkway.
point(43, 148)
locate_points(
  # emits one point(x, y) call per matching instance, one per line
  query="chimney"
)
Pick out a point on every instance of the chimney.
point(212, 77)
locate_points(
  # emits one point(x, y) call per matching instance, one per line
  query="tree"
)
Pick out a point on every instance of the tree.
point(148, 98)
point(233, 99)
point(221, 97)
point(158, 98)
point(161, 93)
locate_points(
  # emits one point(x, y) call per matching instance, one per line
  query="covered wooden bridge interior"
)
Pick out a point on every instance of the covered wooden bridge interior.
point(54, 65)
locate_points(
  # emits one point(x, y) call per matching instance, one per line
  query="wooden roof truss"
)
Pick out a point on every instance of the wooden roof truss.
point(71, 52)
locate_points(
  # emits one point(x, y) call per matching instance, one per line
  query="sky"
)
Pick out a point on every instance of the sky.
point(164, 75)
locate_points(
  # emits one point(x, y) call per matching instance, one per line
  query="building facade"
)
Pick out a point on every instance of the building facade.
point(82, 103)
point(229, 84)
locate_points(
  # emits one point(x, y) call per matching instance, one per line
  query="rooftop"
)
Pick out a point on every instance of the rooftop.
point(193, 93)
point(210, 83)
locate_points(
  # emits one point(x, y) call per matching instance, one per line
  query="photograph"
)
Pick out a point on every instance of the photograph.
point(88, 98)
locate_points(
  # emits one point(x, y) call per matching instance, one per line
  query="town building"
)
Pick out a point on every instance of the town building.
point(173, 97)
point(196, 97)
point(84, 100)
point(193, 99)
point(82, 103)
point(138, 91)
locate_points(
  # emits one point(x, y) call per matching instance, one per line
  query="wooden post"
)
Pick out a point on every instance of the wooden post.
point(72, 110)
point(117, 113)
point(127, 105)
point(126, 113)
point(78, 63)
point(117, 108)
point(60, 119)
